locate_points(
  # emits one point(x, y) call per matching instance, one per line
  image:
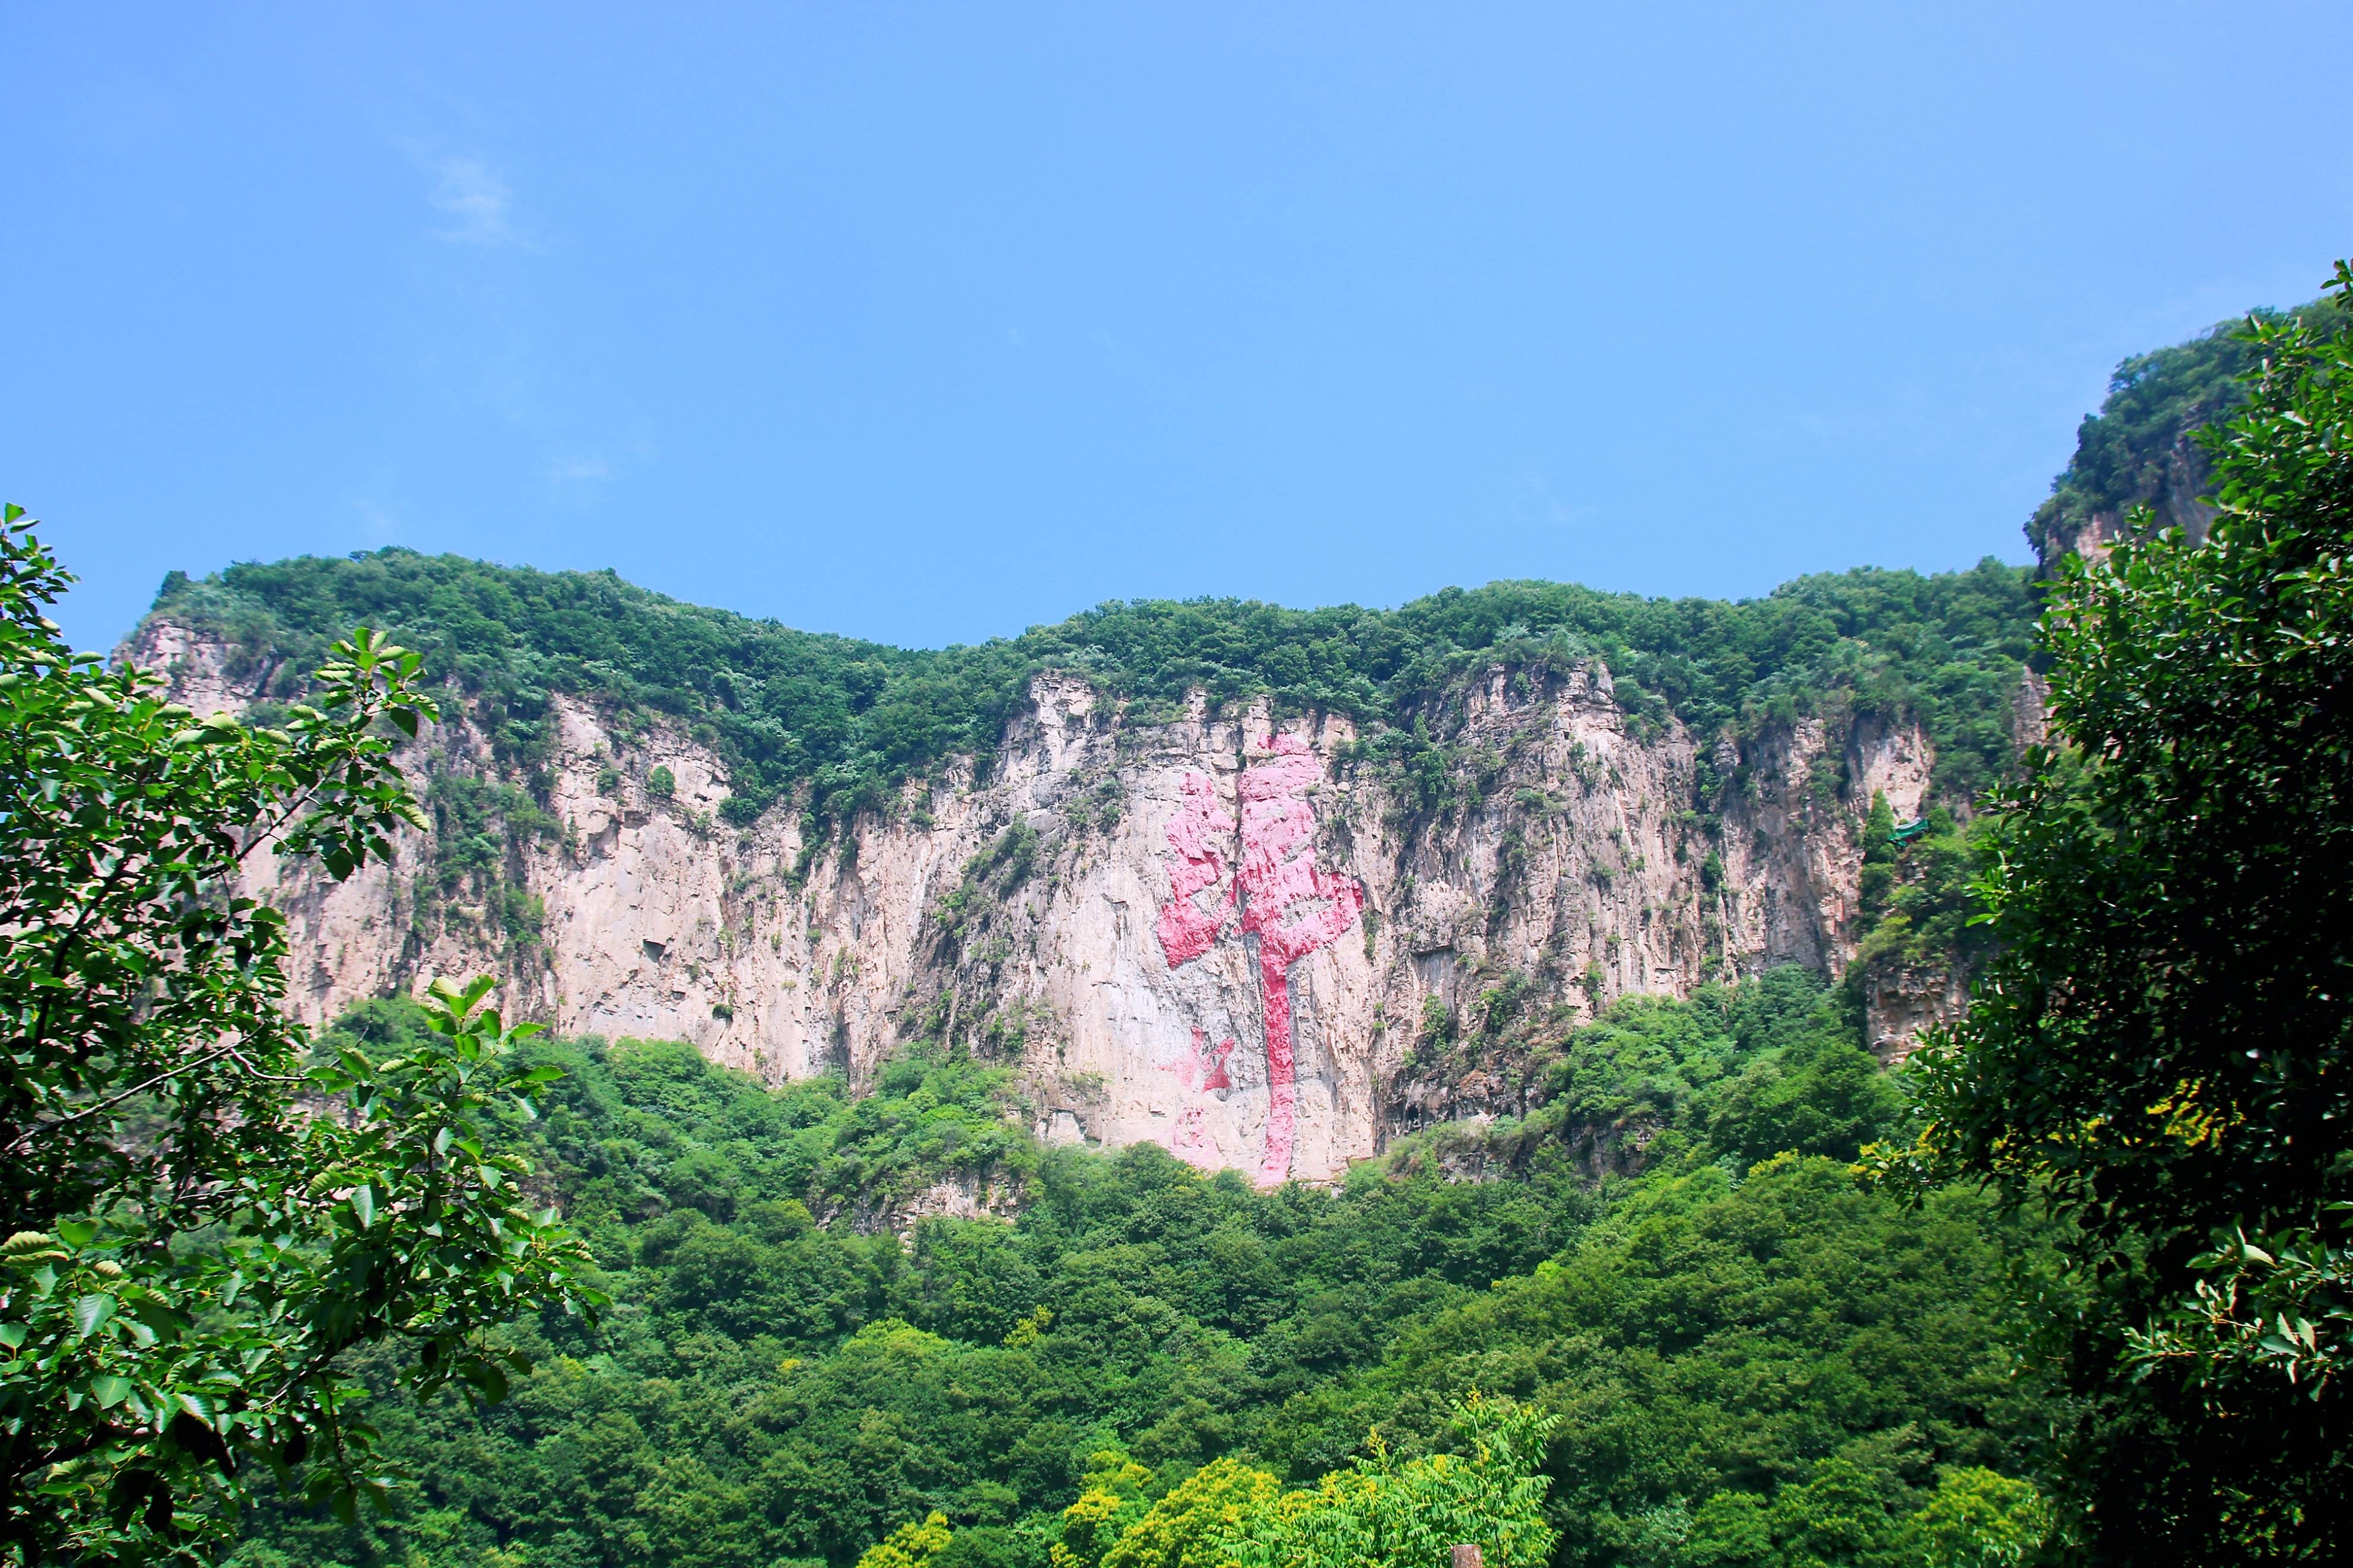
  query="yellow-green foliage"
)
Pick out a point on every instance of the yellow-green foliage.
point(911, 1545)
point(1980, 1519)
point(1377, 1514)
point(1189, 1528)
point(1111, 1500)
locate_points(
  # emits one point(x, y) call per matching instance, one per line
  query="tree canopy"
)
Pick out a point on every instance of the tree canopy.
point(2158, 1046)
point(850, 719)
point(785, 1376)
point(192, 1250)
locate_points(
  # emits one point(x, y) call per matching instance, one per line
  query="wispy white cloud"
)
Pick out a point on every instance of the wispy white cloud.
point(582, 470)
point(471, 193)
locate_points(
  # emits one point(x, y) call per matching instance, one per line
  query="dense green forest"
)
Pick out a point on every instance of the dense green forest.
point(1734, 1324)
point(849, 720)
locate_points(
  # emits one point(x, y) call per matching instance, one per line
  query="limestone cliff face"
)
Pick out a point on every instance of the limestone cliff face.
point(1222, 931)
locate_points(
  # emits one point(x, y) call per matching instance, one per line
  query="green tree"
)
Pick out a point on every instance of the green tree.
point(1837, 1515)
point(915, 1545)
point(1878, 853)
point(1730, 1530)
point(2159, 1047)
point(1109, 1503)
point(1378, 1514)
point(1190, 1527)
point(190, 1253)
point(1978, 1519)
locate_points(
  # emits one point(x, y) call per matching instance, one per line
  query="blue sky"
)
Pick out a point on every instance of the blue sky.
point(929, 322)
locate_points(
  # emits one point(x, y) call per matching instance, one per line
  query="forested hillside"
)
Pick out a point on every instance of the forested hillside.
point(1736, 1324)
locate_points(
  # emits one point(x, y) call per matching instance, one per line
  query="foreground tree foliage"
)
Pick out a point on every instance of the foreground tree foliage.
point(192, 1248)
point(2160, 1048)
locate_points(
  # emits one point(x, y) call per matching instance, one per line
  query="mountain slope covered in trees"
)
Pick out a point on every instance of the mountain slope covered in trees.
point(2141, 447)
point(1739, 1320)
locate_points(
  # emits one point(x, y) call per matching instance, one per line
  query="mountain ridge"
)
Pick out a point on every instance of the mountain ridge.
point(1266, 886)
point(1558, 846)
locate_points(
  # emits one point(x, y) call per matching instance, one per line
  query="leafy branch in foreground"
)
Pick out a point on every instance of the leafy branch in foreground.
point(2159, 1047)
point(2258, 1316)
point(193, 1246)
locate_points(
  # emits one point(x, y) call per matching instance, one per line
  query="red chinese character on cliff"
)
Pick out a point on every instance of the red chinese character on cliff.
point(1290, 904)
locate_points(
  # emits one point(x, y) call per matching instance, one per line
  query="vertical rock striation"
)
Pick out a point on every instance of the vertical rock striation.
point(1231, 932)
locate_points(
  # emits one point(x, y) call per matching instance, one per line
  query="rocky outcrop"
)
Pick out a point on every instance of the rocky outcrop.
point(1902, 1002)
point(1219, 930)
point(2175, 488)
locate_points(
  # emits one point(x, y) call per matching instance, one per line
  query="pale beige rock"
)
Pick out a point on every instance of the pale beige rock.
point(1582, 868)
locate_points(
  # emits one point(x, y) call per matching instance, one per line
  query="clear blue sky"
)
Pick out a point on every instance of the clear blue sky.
point(928, 322)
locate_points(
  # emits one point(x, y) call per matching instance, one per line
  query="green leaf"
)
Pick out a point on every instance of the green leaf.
point(92, 1313)
point(363, 1204)
point(107, 1391)
point(486, 1377)
point(77, 1233)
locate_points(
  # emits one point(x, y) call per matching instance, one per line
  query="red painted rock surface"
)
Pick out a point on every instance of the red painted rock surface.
point(1292, 905)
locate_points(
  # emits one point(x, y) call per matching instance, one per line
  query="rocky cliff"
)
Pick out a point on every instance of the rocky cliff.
point(2145, 446)
point(1229, 931)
